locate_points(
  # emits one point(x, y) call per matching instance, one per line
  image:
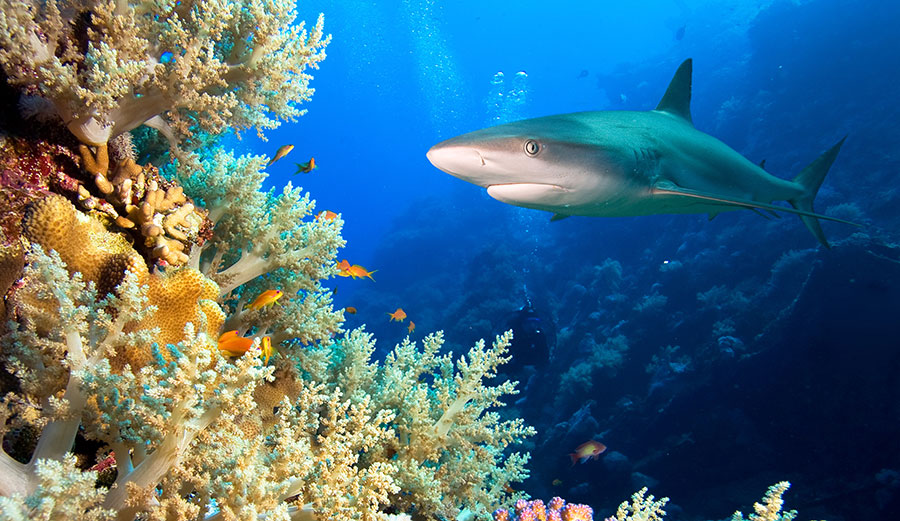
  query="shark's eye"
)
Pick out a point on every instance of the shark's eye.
point(532, 147)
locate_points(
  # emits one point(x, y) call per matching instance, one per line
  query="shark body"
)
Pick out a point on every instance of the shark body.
point(627, 163)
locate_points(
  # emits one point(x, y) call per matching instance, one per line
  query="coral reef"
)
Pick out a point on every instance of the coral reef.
point(641, 508)
point(113, 362)
point(29, 170)
point(82, 242)
point(164, 220)
point(555, 510)
point(110, 66)
point(770, 508)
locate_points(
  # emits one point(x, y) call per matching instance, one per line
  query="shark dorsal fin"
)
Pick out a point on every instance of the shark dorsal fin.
point(677, 99)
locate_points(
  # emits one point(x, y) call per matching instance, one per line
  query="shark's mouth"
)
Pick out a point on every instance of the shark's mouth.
point(532, 194)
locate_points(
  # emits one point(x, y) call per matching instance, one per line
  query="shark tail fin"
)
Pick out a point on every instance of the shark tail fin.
point(810, 178)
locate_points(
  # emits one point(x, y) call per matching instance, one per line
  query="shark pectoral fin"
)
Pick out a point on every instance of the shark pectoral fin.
point(558, 217)
point(671, 189)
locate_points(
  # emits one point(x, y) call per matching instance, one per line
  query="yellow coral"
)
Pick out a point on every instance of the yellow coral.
point(770, 508)
point(82, 242)
point(641, 508)
point(103, 257)
point(11, 262)
point(164, 219)
point(180, 297)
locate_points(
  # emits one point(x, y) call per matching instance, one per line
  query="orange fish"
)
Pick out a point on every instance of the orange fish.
point(587, 450)
point(233, 344)
point(343, 268)
point(557, 482)
point(398, 315)
point(358, 272)
point(307, 167)
point(350, 309)
point(282, 151)
point(326, 215)
point(266, 298)
point(411, 327)
point(266, 346)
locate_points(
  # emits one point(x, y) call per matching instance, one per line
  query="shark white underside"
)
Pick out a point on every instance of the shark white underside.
point(626, 163)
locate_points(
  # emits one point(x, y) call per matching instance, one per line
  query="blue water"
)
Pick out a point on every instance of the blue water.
point(751, 354)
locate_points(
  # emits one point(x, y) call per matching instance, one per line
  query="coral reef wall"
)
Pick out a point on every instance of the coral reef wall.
point(141, 377)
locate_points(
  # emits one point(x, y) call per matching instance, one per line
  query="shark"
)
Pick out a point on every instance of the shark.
point(628, 163)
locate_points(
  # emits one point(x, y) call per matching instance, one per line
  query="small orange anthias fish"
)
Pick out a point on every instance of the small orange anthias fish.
point(358, 272)
point(232, 344)
point(411, 327)
point(343, 268)
point(307, 167)
point(350, 309)
point(265, 346)
point(282, 151)
point(266, 298)
point(398, 315)
point(587, 450)
point(326, 215)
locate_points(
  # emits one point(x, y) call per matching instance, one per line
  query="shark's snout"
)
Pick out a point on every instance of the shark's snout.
point(458, 160)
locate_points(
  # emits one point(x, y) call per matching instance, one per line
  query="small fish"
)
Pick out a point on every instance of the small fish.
point(232, 344)
point(358, 272)
point(411, 327)
point(326, 215)
point(557, 482)
point(267, 351)
point(679, 34)
point(398, 315)
point(166, 57)
point(266, 298)
point(282, 151)
point(307, 167)
point(587, 450)
point(343, 268)
point(350, 309)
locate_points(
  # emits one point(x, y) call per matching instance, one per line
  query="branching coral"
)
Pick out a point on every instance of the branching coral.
point(346, 443)
point(641, 508)
point(110, 66)
point(45, 503)
point(645, 507)
point(323, 429)
point(105, 353)
point(263, 241)
point(448, 447)
point(770, 508)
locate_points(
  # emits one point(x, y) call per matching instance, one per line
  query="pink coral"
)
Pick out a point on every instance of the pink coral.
point(555, 510)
